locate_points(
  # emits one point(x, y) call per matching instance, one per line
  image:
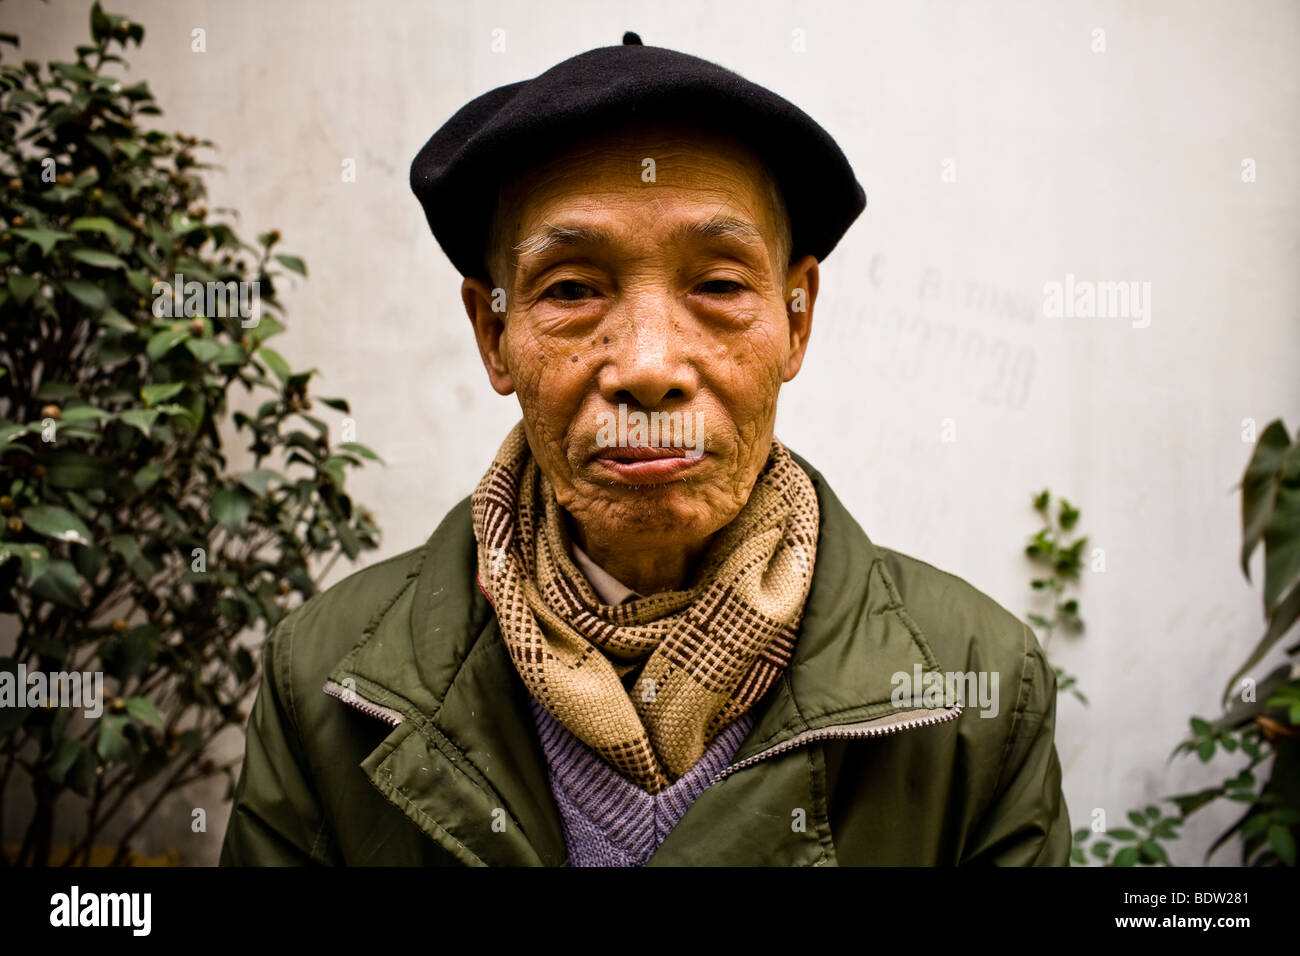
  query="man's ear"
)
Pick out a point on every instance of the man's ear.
point(489, 326)
point(800, 294)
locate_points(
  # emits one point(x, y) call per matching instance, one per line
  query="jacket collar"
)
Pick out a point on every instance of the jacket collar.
point(436, 656)
point(856, 634)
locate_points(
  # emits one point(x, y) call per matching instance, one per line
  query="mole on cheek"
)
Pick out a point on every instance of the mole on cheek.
point(606, 340)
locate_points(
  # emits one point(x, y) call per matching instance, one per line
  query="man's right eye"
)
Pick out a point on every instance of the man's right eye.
point(569, 291)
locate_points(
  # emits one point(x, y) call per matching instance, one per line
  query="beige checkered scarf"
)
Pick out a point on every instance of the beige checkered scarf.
point(647, 684)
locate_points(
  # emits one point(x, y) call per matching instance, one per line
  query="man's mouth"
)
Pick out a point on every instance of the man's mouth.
point(646, 464)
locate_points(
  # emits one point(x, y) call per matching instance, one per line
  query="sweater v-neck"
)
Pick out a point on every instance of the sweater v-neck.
point(607, 819)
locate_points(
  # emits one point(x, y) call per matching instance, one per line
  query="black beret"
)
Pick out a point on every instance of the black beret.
point(456, 174)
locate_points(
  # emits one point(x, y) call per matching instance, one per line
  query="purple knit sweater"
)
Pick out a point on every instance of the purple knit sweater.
point(608, 820)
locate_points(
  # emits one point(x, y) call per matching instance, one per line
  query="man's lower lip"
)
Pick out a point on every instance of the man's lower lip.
point(649, 470)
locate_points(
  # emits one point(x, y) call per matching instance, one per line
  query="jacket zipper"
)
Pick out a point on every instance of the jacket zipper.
point(879, 727)
point(356, 701)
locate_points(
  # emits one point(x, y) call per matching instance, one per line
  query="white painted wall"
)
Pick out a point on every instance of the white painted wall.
point(1122, 165)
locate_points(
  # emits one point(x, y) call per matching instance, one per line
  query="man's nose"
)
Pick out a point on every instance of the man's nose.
point(649, 362)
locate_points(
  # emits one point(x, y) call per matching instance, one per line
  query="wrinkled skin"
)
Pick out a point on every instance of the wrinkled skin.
point(644, 316)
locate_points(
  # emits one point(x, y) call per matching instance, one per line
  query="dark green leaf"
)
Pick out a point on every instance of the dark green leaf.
point(113, 745)
point(1126, 857)
point(153, 394)
point(45, 238)
point(84, 413)
point(258, 480)
point(360, 449)
point(81, 776)
point(70, 468)
point(163, 342)
point(143, 709)
point(348, 541)
point(145, 477)
point(1282, 547)
point(101, 260)
point(275, 362)
point(1259, 486)
point(55, 522)
point(1153, 852)
point(229, 354)
point(230, 508)
point(205, 350)
point(293, 263)
point(141, 418)
point(1285, 615)
point(58, 391)
point(1283, 843)
point(22, 287)
point(129, 549)
point(101, 225)
point(59, 583)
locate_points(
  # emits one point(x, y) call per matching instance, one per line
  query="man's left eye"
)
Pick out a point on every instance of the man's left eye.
point(719, 287)
point(569, 290)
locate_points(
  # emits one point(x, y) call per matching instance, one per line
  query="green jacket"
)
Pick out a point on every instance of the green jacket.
point(392, 729)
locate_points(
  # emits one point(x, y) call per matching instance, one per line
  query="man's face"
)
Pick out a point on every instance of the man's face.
point(629, 294)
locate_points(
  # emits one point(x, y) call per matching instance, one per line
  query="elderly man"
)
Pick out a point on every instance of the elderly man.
point(652, 635)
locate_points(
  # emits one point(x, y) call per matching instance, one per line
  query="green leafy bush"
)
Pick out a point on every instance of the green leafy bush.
point(1261, 721)
point(127, 545)
point(1061, 561)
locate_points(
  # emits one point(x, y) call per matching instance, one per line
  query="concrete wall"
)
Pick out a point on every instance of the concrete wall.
point(1110, 166)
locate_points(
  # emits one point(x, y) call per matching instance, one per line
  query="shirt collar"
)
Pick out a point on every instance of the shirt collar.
point(609, 588)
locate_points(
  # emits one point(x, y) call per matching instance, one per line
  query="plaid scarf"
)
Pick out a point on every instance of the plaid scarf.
point(650, 683)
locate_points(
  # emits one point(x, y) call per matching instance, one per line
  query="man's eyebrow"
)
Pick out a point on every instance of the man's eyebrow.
point(550, 236)
point(717, 226)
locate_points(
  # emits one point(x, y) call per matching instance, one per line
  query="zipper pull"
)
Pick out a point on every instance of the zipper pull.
point(350, 697)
